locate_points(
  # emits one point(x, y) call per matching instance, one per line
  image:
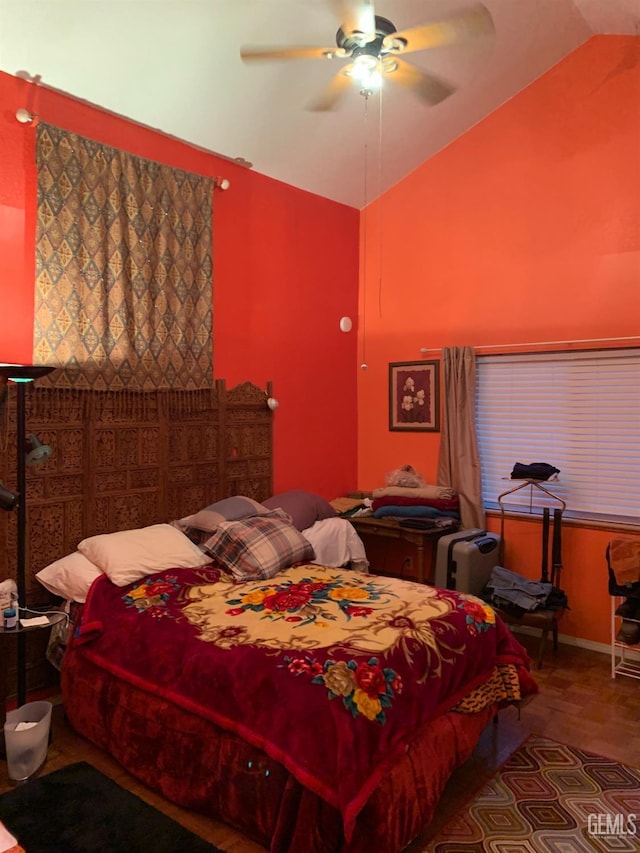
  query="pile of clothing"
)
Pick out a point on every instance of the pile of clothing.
point(623, 557)
point(518, 595)
point(424, 502)
point(534, 471)
point(629, 630)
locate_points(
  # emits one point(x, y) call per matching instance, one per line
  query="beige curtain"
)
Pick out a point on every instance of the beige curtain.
point(123, 297)
point(459, 462)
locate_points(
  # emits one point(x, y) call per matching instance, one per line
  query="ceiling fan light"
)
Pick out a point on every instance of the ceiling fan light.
point(372, 84)
point(366, 71)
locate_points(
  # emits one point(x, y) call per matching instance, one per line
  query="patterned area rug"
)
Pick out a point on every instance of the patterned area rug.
point(549, 798)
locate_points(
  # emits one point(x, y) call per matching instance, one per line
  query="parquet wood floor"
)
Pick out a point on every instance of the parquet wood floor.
point(579, 704)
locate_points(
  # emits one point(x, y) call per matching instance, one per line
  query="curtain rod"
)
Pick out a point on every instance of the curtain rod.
point(542, 343)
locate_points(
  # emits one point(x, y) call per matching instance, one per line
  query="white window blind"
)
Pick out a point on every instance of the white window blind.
point(578, 411)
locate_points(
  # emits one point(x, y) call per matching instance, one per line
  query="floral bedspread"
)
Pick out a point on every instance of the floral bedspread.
point(330, 672)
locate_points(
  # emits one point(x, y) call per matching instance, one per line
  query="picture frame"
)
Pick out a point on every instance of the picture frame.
point(414, 396)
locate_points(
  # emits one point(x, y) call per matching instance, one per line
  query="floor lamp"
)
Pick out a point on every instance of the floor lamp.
point(21, 374)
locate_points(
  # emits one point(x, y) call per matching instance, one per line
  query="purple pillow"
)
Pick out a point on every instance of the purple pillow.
point(305, 508)
point(199, 526)
point(228, 509)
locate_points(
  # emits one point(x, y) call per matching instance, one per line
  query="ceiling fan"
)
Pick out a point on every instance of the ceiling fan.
point(375, 49)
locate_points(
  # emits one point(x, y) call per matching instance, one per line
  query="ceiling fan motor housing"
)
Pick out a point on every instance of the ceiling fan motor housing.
point(356, 44)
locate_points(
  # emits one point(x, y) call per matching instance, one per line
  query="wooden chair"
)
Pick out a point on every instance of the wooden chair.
point(543, 620)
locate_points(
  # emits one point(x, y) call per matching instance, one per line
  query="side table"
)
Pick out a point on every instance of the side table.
point(424, 540)
point(53, 617)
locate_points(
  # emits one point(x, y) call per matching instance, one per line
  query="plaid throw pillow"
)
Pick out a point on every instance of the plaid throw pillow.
point(199, 526)
point(258, 547)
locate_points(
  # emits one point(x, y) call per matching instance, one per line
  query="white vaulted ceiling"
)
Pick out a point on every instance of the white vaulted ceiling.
point(175, 65)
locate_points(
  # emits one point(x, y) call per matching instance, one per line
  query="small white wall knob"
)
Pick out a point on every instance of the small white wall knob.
point(24, 116)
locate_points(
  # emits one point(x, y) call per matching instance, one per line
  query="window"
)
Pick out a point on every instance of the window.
point(578, 411)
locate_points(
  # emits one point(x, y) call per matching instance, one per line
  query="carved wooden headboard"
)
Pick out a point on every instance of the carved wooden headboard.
point(125, 460)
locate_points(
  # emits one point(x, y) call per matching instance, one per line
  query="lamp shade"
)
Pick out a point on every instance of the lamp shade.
point(24, 372)
point(8, 499)
point(35, 451)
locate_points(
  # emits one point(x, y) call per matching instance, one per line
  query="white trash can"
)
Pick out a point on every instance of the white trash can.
point(27, 745)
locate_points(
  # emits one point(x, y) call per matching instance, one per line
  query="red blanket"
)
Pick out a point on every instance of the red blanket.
point(330, 672)
point(443, 504)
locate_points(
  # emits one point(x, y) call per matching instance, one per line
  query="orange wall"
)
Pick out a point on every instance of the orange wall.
point(525, 229)
point(285, 271)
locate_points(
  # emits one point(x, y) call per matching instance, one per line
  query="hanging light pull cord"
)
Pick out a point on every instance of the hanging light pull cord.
point(363, 366)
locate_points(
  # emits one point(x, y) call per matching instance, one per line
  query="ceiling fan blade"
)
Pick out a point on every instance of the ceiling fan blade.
point(459, 27)
point(249, 53)
point(429, 87)
point(356, 16)
point(329, 97)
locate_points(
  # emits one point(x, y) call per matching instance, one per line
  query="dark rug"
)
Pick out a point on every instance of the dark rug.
point(79, 810)
point(549, 798)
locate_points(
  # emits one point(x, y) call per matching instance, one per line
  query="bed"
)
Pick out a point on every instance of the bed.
point(363, 772)
point(333, 540)
point(312, 707)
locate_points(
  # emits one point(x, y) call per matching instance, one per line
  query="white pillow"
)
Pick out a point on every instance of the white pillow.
point(70, 577)
point(129, 555)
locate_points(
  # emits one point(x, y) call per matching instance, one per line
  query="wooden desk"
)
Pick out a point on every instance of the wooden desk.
point(390, 528)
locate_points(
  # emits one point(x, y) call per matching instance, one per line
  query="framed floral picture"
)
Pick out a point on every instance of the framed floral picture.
point(414, 396)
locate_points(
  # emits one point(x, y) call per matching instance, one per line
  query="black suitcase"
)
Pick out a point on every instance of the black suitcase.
point(465, 559)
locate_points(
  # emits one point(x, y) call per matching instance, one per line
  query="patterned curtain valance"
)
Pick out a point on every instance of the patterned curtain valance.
point(123, 296)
